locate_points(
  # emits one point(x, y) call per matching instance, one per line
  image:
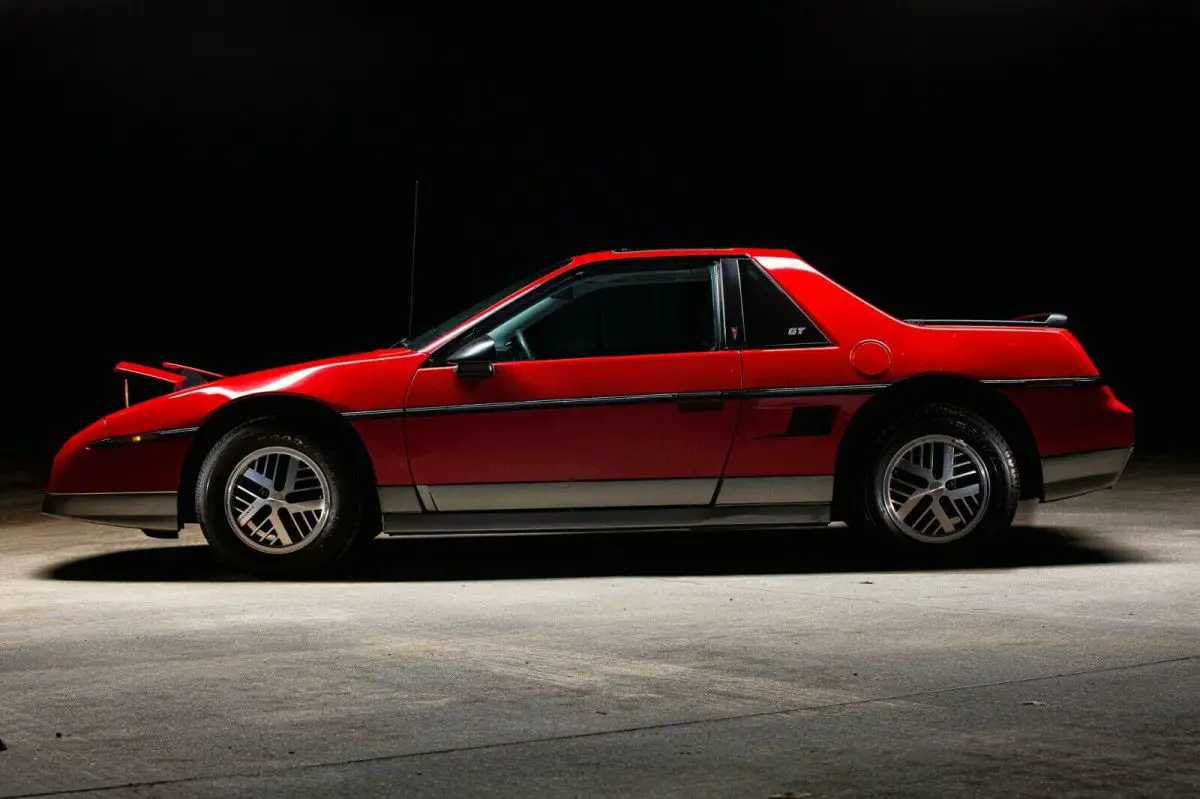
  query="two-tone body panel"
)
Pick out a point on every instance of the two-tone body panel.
point(739, 431)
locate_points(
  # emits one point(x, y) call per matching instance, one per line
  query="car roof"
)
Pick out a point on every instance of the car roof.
point(616, 255)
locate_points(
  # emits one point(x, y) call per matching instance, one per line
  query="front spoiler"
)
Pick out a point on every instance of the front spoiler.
point(1071, 475)
point(142, 510)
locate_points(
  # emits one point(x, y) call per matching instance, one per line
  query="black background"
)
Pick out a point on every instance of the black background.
point(230, 185)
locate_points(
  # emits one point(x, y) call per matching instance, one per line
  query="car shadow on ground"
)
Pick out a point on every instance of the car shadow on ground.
point(660, 554)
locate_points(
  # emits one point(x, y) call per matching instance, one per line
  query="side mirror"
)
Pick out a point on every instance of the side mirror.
point(476, 358)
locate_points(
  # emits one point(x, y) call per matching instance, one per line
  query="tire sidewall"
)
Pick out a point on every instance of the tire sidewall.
point(343, 505)
point(981, 437)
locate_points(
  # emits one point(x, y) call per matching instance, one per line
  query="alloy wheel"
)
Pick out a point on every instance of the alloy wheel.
point(276, 500)
point(936, 489)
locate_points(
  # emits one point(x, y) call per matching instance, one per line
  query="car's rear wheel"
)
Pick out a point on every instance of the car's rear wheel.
point(941, 478)
point(278, 504)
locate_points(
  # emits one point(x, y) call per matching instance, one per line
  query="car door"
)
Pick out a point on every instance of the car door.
point(611, 388)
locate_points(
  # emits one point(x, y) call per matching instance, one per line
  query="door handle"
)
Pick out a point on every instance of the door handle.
point(701, 401)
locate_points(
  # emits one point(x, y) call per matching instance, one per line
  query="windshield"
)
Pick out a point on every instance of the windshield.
point(441, 329)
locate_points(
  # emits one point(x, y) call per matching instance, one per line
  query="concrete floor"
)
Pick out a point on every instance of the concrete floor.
point(730, 665)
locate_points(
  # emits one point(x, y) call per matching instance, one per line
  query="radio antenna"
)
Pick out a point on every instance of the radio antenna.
point(412, 268)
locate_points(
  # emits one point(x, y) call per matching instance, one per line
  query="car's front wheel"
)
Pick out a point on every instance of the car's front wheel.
point(278, 504)
point(941, 478)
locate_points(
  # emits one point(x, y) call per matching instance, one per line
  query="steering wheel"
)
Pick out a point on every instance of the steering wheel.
point(523, 344)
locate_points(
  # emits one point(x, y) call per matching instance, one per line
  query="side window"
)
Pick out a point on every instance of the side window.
point(619, 308)
point(772, 318)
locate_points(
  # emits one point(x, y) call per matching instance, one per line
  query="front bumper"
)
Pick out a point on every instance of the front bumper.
point(1066, 476)
point(142, 510)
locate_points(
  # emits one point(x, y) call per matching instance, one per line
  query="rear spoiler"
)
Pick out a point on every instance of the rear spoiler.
point(178, 375)
point(1029, 320)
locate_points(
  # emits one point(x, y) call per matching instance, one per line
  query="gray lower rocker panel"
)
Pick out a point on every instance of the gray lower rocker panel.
point(603, 520)
point(144, 510)
point(1066, 476)
point(813, 489)
point(399, 499)
point(578, 494)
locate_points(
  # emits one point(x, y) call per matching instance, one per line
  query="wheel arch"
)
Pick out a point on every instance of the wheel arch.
point(300, 413)
point(913, 392)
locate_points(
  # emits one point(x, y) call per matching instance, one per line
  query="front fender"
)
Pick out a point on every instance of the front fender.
point(93, 462)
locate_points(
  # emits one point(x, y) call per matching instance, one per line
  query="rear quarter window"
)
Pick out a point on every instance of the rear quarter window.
point(771, 317)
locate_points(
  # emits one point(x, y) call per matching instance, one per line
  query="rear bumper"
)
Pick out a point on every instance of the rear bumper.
point(142, 510)
point(1066, 476)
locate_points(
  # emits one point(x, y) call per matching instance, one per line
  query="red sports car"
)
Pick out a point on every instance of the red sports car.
point(618, 390)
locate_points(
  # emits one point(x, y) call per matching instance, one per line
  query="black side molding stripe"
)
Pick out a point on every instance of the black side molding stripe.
point(805, 391)
point(628, 399)
point(383, 413)
point(525, 405)
point(1045, 382)
point(640, 399)
point(147, 437)
point(530, 405)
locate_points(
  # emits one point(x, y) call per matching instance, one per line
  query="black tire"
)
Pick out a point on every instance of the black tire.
point(869, 496)
point(341, 529)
